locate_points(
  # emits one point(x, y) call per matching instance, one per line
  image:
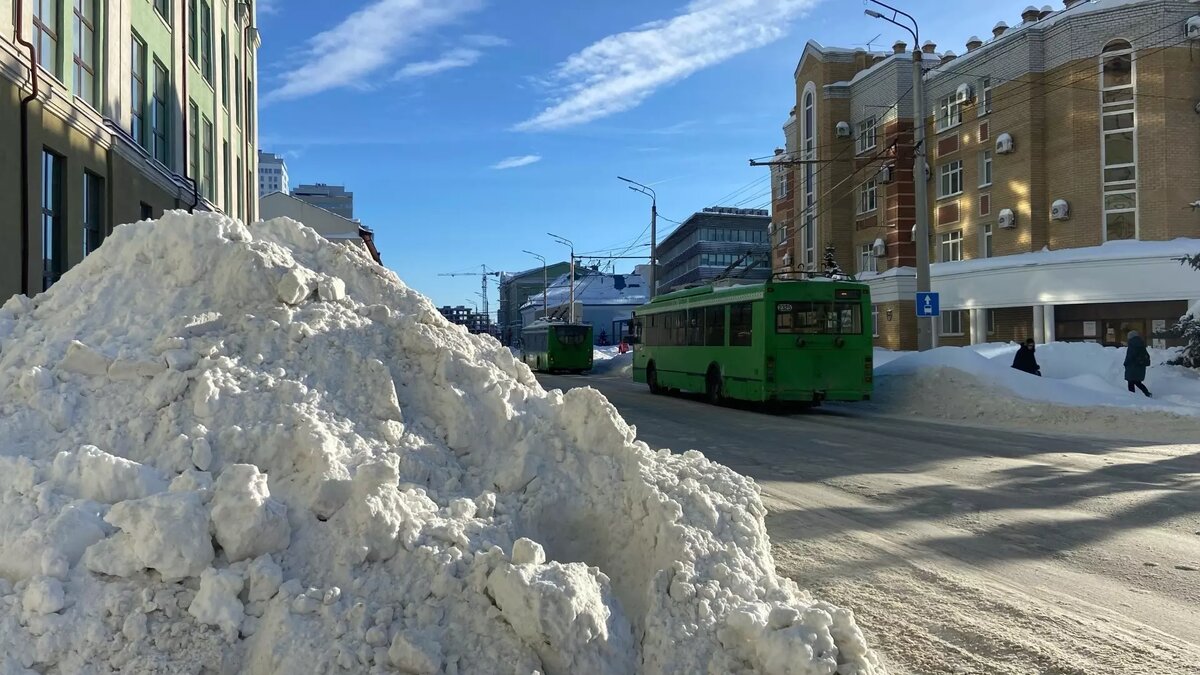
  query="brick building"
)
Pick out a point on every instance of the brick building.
point(1061, 162)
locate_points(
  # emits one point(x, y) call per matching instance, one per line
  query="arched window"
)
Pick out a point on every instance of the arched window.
point(1118, 148)
point(808, 131)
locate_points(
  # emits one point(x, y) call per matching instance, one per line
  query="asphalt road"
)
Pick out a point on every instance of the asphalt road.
point(965, 550)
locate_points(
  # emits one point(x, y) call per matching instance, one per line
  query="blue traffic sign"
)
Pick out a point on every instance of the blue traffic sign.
point(928, 304)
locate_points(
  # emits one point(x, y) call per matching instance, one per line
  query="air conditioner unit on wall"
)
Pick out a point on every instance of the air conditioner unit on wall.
point(1007, 219)
point(879, 248)
point(964, 93)
point(1004, 144)
point(886, 174)
point(843, 130)
point(1060, 210)
point(1192, 29)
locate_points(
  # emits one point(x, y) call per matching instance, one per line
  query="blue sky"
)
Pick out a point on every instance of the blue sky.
point(467, 129)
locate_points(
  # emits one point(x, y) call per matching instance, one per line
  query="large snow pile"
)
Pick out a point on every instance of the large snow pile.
point(236, 449)
point(1082, 384)
point(610, 361)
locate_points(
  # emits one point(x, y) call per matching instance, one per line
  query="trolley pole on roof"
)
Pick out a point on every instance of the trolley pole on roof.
point(567, 242)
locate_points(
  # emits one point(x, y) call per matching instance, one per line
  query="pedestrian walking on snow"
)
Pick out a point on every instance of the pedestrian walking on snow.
point(1026, 360)
point(1137, 359)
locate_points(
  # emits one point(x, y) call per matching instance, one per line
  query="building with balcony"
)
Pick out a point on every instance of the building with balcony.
point(715, 241)
point(1060, 163)
point(116, 111)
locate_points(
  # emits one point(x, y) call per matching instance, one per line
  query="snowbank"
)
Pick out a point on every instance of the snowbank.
point(610, 361)
point(1082, 389)
point(246, 449)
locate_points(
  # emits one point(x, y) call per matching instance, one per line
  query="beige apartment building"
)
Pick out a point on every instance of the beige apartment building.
point(1062, 165)
point(112, 111)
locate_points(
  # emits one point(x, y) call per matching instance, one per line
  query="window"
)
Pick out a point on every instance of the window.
point(206, 41)
point(809, 143)
point(210, 164)
point(193, 125)
point(783, 184)
point(952, 246)
point(237, 91)
point(193, 53)
point(45, 34)
point(991, 321)
point(147, 211)
point(85, 49)
point(949, 112)
point(137, 81)
point(867, 197)
point(985, 168)
point(714, 326)
point(1119, 143)
point(93, 211)
point(950, 181)
point(241, 189)
point(866, 135)
point(695, 327)
point(224, 70)
point(867, 262)
point(741, 325)
point(163, 7)
point(818, 318)
point(985, 246)
point(249, 105)
point(159, 121)
point(875, 321)
point(226, 180)
point(985, 96)
point(952, 322)
point(53, 255)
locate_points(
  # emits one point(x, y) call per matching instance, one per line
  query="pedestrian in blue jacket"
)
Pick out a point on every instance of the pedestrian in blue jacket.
point(1137, 359)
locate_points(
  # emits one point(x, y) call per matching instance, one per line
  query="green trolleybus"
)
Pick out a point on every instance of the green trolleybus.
point(557, 347)
point(797, 341)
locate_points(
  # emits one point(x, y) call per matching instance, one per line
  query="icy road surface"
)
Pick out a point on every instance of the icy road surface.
point(966, 550)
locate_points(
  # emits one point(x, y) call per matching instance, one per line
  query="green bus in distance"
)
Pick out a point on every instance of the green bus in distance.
point(557, 347)
point(786, 341)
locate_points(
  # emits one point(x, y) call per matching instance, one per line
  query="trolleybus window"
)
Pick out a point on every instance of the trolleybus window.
point(844, 318)
point(741, 324)
point(714, 326)
point(571, 335)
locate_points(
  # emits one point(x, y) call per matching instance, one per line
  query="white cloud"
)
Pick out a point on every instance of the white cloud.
point(515, 162)
point(455, 58)
point(268, 6)
point(484, 41)
point(366, 41)
point(620, 71)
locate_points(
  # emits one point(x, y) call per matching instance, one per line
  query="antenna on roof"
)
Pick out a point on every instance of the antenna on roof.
point(872, 40)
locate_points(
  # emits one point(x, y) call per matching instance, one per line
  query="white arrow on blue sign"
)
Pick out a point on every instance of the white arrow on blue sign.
point(928, 304)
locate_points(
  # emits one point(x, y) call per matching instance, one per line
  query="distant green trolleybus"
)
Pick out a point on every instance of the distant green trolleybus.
point(557, 347)
point(787, 341)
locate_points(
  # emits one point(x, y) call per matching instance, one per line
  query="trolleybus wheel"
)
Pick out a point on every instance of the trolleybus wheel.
point(714, 389)
point(652, 379)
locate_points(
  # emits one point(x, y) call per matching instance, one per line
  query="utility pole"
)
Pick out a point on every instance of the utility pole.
point(571, 293)
point(545, 282)
point(925, 326)
point(644, 189)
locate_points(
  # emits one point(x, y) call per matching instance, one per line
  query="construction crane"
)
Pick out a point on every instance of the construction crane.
point(483, 275)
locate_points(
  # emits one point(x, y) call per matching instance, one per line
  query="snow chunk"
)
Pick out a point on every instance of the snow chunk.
point(216, 603)
point(528, 552)
point(84, 360)
point(248, 523)
point(331, 289)
point(94, 474)
point(166, 532)
point(410, 654)
point(265, 578)
point(44, 595)
point(295, 286)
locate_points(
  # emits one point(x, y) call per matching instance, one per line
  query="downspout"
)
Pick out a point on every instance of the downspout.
point(33, 74)
point(186, 109)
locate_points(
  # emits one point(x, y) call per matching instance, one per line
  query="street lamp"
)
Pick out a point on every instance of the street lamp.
point(545, 281)
point(646, 190)
point(571, 297)
point(921, 233)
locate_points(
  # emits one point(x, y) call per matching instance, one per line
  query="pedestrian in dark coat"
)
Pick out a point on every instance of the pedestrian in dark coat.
point(1137, 359)
point(1026, 360)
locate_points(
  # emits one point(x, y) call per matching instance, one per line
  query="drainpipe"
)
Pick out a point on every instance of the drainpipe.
point(33, 75)
point(186, 109)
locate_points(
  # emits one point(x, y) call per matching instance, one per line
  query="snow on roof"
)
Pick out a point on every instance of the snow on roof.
point(1081, 9)
point(593, 289)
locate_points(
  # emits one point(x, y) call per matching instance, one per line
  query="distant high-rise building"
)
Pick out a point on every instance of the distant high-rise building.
point(272, 174)
point(333, 198)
